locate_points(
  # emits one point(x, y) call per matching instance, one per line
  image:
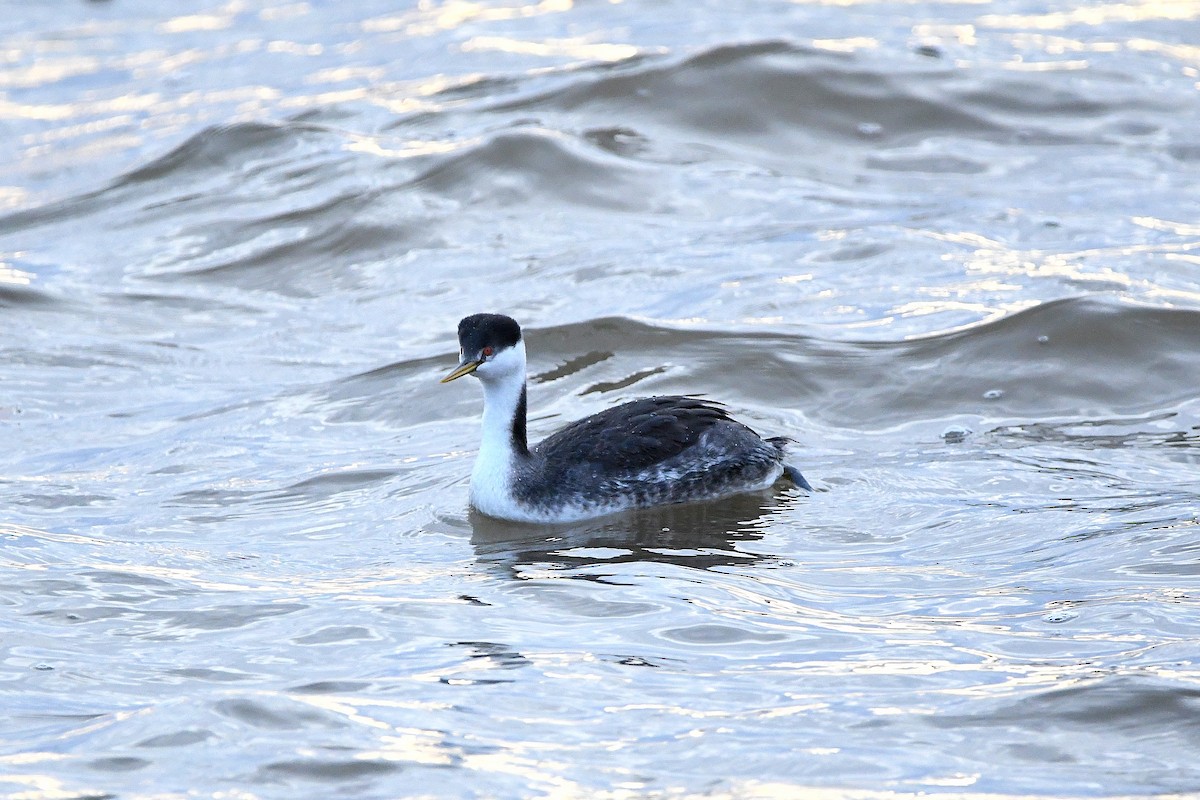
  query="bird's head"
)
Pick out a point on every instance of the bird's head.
point(489, 347)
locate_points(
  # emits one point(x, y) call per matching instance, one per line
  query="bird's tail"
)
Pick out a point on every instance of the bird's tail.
point(795, 477)
point(793, 474)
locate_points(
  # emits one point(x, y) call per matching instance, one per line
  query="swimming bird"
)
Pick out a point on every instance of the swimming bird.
point(648, 452)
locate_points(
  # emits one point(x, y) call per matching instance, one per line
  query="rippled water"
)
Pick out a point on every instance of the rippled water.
point(951, 249)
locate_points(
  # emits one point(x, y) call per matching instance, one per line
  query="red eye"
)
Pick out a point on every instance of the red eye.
point(487, 351)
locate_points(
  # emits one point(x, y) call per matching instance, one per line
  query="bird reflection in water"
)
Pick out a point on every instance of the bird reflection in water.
point(696, 535)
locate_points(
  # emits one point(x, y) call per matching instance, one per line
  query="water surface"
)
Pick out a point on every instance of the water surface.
point(949, 248)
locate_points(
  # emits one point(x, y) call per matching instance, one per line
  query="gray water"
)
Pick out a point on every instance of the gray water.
point(952, 249)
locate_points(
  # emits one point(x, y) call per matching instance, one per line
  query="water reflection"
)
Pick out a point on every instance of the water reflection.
point(696, 535)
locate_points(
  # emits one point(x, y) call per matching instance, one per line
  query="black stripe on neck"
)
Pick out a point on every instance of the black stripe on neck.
point(520, 444)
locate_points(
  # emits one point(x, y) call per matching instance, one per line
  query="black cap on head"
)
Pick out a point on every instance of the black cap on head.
point(480, 330)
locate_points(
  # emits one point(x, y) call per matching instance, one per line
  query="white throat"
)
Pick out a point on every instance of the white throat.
point(503, 380)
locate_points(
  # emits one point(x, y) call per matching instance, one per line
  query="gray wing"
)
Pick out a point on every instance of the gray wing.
point(634, 435)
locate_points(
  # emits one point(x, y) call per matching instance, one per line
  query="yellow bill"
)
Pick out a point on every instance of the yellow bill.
point(465, 368)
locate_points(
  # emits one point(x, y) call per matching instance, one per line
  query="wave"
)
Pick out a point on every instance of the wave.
point(286, 208)
point(300, 209)
point(1088, 354)
point(1083, 356)
point(520, 165)
point(221, 151)
point(778, 95)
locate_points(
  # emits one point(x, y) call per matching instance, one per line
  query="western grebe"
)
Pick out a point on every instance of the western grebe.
point(648, 452)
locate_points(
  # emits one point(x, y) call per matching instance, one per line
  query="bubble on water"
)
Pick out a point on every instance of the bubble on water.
point(993, 394)
point(1060, 615)
point(1043, 339)
point(955, 434)
point(43, 667)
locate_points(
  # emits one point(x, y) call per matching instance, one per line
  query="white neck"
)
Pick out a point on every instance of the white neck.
point(503, 380)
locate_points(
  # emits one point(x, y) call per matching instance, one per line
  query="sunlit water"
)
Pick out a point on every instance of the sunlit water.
point(951, 249)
